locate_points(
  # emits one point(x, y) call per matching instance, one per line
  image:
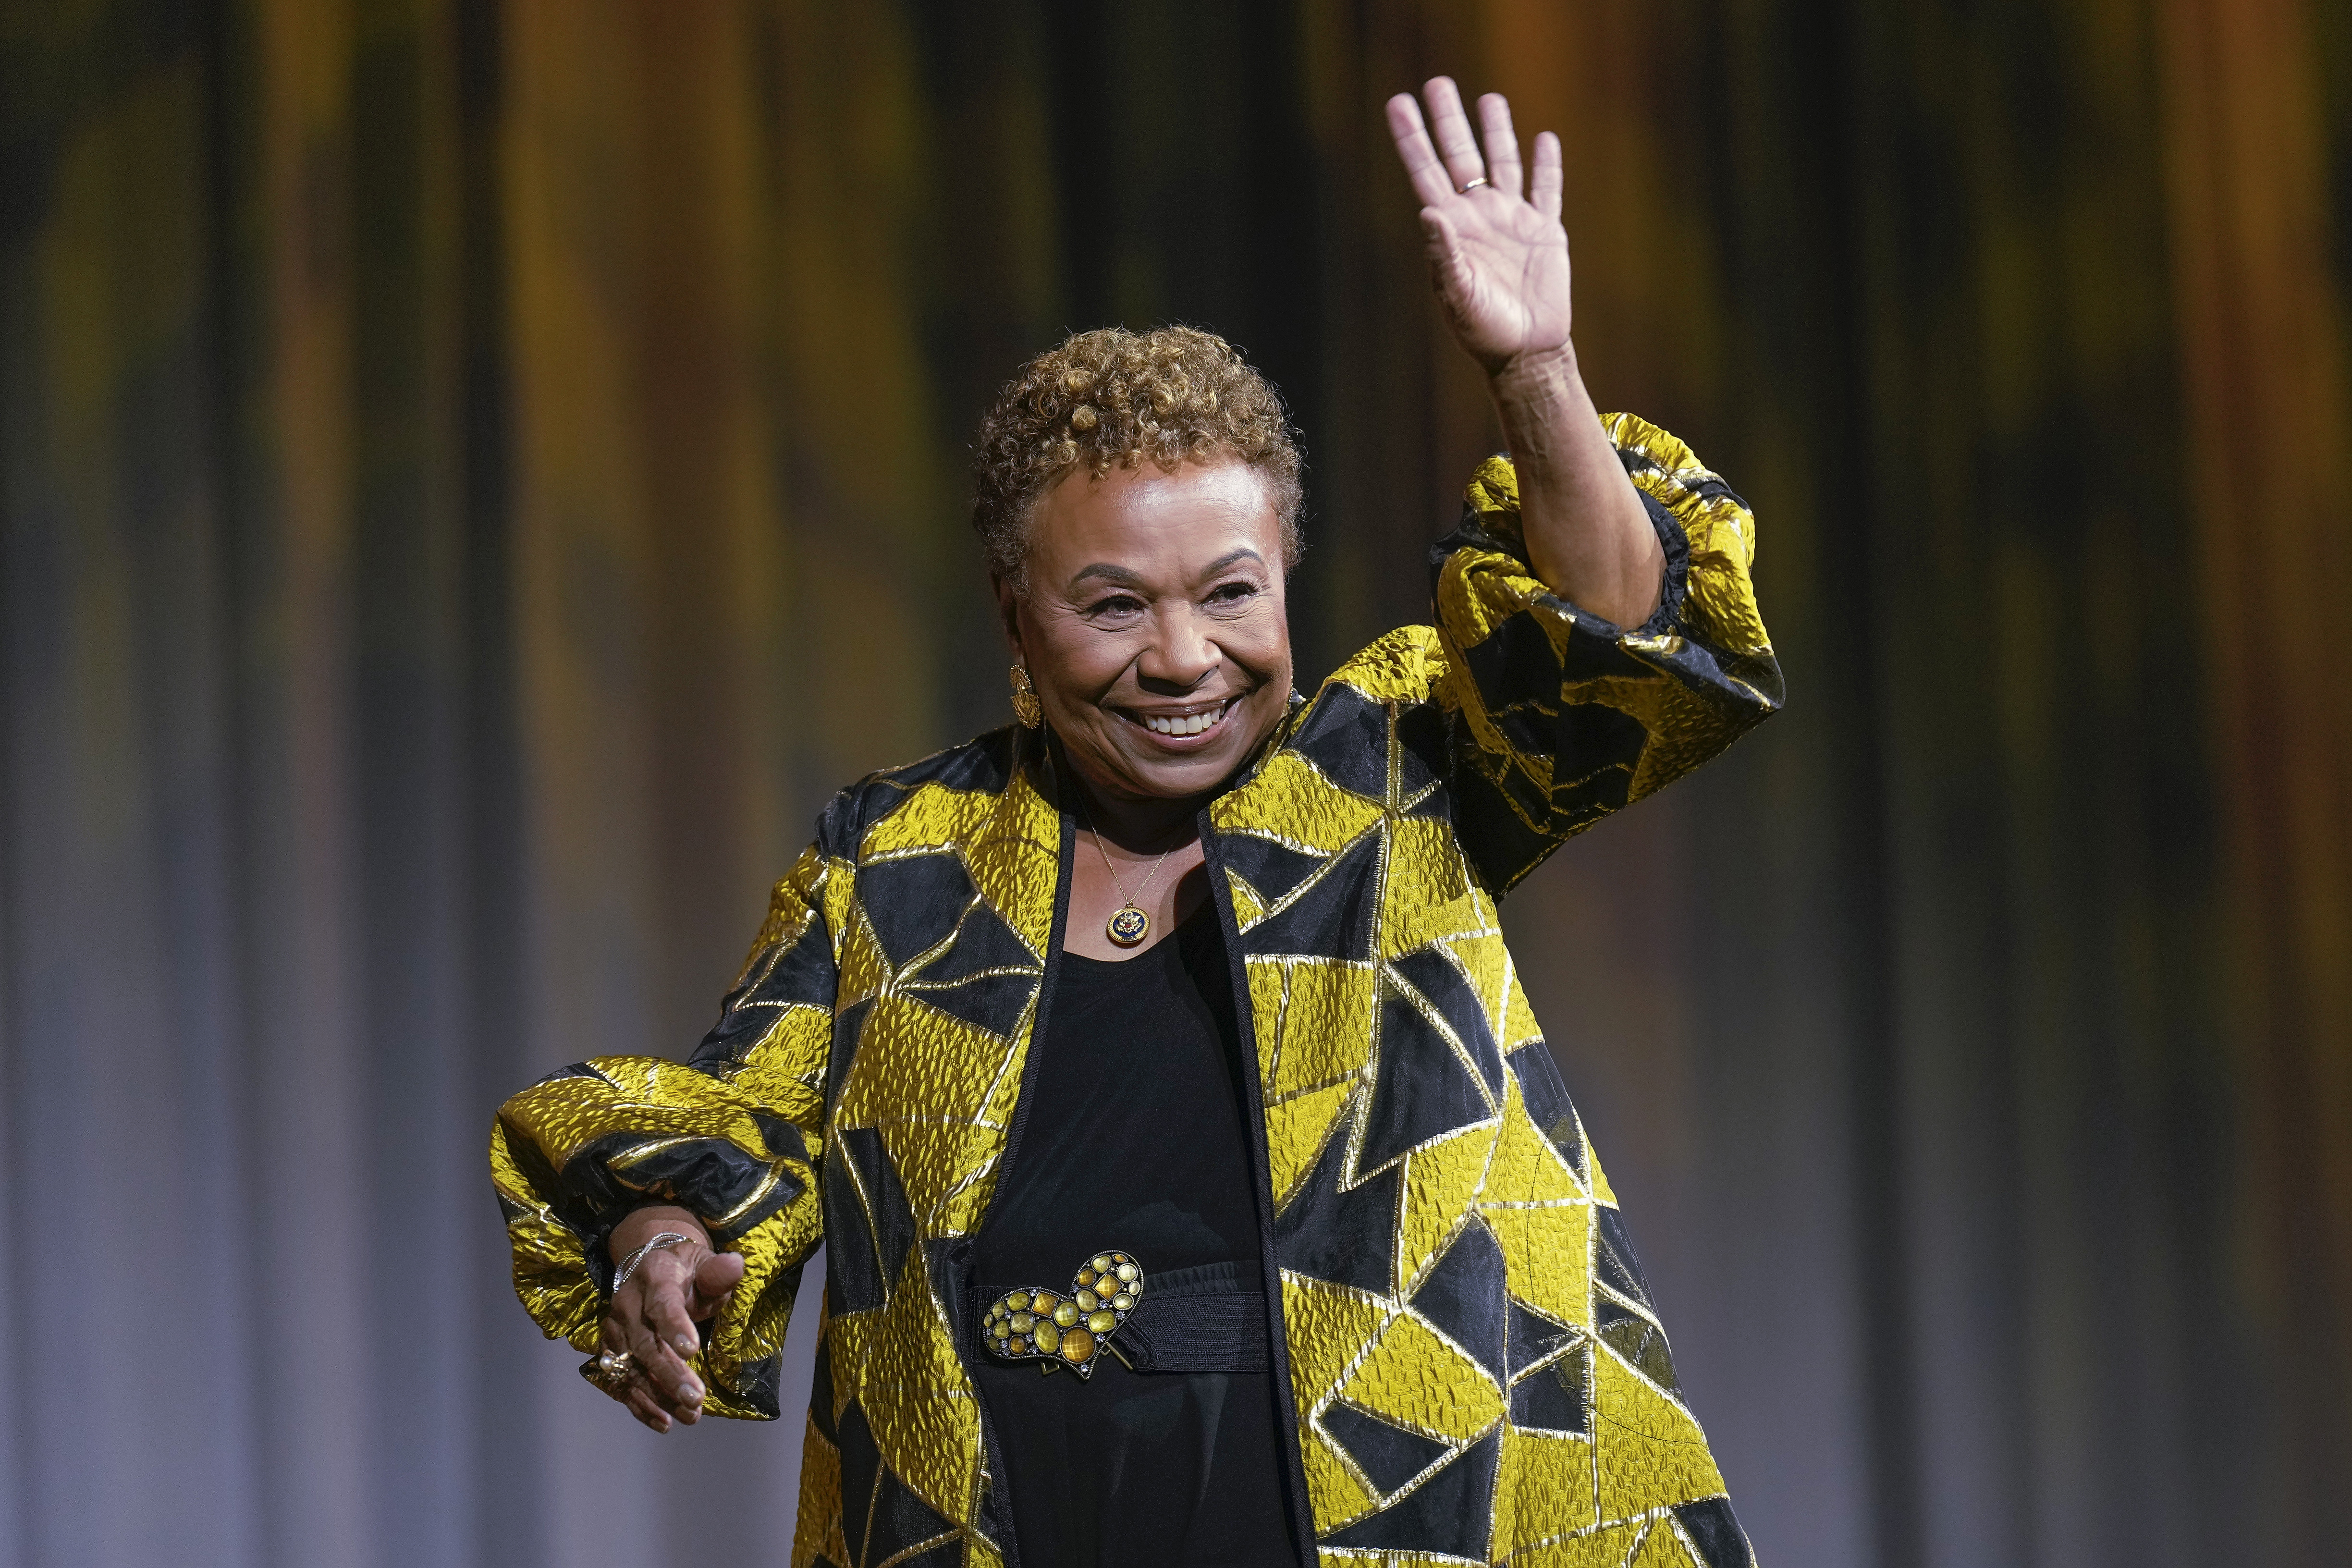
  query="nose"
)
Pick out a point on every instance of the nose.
point(1180, 655)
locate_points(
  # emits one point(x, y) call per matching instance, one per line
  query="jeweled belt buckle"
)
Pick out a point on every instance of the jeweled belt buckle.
point(1070, 1329)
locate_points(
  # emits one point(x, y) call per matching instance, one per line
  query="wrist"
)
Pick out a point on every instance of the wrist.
point(664, 1241)
point(1535, 375)
point(642, 1225)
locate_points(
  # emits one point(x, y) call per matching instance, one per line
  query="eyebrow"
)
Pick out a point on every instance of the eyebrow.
point(1230, 558)
point(1106, 572)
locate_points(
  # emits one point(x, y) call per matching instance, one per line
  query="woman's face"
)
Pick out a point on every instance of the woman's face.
point(1154, 628)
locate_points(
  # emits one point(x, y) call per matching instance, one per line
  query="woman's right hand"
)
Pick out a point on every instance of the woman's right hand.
point(653, 1316)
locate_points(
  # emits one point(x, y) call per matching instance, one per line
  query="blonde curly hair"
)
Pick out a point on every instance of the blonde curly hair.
point(1114, 398)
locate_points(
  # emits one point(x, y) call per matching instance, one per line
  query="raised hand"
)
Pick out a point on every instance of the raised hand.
point(1498, 258)
point(1497, 254)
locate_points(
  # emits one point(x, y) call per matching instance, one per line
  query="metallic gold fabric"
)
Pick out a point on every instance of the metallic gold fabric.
point(1476, 1369)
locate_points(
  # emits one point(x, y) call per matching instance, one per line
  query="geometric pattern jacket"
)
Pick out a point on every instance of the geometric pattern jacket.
point(1474, 1369)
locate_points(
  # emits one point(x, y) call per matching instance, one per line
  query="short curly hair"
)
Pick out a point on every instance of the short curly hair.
point(1114, 398)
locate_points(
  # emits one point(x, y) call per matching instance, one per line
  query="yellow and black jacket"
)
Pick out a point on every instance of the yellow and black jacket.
point(1476, 1370)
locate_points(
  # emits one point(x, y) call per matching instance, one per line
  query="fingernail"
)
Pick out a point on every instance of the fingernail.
point(692, 1391)
point(687, 1348)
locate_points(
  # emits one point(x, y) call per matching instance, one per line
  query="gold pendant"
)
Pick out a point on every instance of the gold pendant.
point(1128, 925)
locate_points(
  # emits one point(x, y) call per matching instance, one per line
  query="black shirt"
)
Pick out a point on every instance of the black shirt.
point(1134, 1140)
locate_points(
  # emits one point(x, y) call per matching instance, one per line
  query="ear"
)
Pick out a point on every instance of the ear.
point(1008, 610)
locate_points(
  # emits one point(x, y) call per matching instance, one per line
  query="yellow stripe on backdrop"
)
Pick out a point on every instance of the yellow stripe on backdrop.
point(730, 508)
point(730, 518)
point(648, 525)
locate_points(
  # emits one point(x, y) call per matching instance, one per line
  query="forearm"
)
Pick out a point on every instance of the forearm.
point(642, 1225)
point(1588, 535)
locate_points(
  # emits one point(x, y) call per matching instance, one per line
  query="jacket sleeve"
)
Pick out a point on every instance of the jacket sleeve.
point(734, 1135)
point(1555, 717)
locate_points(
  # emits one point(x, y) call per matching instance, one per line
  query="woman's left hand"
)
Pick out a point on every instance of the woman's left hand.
point(1498, 255)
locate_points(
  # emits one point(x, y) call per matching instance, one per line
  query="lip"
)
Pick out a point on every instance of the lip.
point(1134, 720)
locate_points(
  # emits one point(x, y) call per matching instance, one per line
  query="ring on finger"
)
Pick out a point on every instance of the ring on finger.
point(612, 1371)
point(1465, 190)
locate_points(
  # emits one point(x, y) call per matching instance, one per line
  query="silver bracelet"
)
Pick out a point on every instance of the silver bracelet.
point(629, 1265)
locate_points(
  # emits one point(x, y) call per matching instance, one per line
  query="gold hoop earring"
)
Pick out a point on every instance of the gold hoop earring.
point(1026, 706)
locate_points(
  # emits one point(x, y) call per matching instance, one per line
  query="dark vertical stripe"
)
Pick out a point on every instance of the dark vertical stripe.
point(1293, 1475)
point(1831, 107)
point(491, 920)
point(1025, 1097)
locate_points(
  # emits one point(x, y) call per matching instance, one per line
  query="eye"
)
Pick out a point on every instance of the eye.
point(1231, 594)
point(1115, 607)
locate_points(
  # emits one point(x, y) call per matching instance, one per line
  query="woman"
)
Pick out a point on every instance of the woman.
point(1195, 1184)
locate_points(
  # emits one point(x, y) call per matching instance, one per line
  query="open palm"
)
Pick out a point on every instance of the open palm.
point(1498, 255)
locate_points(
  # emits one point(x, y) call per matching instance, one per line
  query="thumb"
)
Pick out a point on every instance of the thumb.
point(1443, 245)
point(1436, 231)
point(715, 1276)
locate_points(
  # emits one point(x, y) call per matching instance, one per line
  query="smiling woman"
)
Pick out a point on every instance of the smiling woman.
point(1138, 497)
point(1166, 1040)
point(1149, 616)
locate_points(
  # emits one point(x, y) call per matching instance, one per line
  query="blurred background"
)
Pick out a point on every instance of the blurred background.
point(478, 475)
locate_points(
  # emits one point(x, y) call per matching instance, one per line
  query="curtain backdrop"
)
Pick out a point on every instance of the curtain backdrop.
point(477, 475)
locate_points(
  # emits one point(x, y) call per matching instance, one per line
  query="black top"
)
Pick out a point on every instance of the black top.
point(1133, 1139)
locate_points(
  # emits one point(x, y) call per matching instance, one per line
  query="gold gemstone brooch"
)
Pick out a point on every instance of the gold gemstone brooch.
point(1070, 1330)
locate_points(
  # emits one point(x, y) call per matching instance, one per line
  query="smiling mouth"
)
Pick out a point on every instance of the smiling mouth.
point(1179, 726)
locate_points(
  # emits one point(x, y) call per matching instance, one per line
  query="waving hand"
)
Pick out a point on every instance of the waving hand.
point(1497, 254)
point(1498, 260)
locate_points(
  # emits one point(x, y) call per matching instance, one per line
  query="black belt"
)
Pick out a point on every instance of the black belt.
point(1212, 1318)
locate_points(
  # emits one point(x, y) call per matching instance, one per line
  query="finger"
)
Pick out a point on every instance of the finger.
point(1422, 165)
point(646, 1409)
point(715, 1279)
point(648, 1388)
point(1451, 128)
point(1543, 188)
point(655, 1362)
point(668, 1315)
point(652, 1340)
point(637, 1338)
point(666, 1382)
point(612, 1342)
point(1502, 143)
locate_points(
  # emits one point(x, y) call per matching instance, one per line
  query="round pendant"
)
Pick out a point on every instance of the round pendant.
point(1128, 925)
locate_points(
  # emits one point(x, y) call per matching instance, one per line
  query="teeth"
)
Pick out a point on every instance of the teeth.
point(1190, 725)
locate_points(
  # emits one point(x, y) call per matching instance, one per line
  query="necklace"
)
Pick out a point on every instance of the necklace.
point(1129, 924)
